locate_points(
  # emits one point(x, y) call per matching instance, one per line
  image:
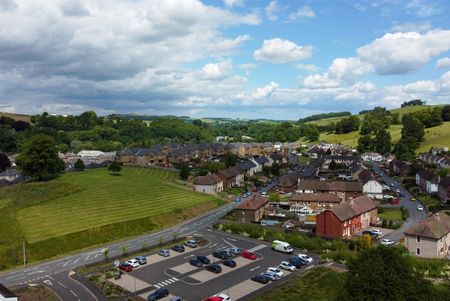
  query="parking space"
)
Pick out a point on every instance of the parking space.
point(204, 275)
point(130, 283)
point(385, 231)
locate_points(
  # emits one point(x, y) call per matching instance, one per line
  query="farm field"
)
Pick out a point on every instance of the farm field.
point(81, 209)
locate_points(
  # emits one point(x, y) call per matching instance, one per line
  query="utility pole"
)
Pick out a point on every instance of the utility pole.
point(24, 255)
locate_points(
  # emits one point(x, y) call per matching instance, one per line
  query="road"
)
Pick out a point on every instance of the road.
point(415, 216)
point(55, 273)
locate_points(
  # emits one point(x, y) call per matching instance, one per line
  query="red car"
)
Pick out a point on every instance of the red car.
point(126, 267)
point(213, 298)
point(248, 255)
point(395, 201)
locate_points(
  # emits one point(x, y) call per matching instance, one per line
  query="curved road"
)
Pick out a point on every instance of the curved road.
point(55, 273)
point(415, 216)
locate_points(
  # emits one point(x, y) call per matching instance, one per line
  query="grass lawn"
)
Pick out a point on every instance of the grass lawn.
point(391, 214)
point(81, 209)
point(318, 284)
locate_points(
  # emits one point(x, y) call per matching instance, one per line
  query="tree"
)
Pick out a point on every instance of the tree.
point(266, 170)
point(230, 160)
point(4, 162)
point(444, 172)
point(382, 143)
point(115, 167)
point(364, 144)
point(7, 139)
point(40, 159)
point(275, 168)
point(79, 165)
point(185, 172)
point(446, 113)
point(386, 273)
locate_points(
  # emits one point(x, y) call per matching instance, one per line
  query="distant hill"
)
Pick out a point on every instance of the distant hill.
point(436, 136)
point(26, 118)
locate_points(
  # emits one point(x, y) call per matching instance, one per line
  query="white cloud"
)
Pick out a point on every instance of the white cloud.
point(279, 51)
point(443, 62)
point(216, 71)
point(342, 70)
point(410, 26)
point(271, 10)
point(307, 67)
point(303, 13)
point(231, 3)
point(399, 53)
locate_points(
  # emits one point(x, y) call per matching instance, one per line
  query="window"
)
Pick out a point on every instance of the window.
point(418, 238)
point(418, 251)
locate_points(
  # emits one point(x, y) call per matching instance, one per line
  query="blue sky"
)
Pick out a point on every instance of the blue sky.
point(233, 58)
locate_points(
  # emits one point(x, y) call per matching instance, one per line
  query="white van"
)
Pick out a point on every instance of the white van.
point(282, 246)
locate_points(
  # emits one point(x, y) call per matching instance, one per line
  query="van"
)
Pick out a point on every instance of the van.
point(282, 246)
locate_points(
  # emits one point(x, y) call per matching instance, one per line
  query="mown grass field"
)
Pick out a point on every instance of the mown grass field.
point(393, 214)
point(80, 209)
point(319, 284)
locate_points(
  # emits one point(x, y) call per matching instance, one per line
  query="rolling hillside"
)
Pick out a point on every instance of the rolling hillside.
point(437, 136)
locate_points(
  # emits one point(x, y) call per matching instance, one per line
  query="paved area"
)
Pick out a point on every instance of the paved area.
point(130, 283)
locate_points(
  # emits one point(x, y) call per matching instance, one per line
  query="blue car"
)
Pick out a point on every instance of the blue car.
point(203, 259)
point(158, 294)
point(195, 262)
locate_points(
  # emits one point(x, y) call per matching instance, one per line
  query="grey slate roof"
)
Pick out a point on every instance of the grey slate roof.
point(436, 226)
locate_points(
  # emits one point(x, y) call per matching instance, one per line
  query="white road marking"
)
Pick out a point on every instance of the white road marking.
point(62, 284)
point(257, 248)
point(174, 278)
point(189, 256)
point(157, 286)
point(87, 257)
point(209, 230)
point(48, 282)
point(73, 293)
point(251, 270)
point(77, 260)
point(67, 262)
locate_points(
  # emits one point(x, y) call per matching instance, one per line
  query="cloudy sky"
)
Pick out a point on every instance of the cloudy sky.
point(274, 59)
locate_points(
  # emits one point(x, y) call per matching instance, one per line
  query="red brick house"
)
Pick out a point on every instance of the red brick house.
point(344, 220)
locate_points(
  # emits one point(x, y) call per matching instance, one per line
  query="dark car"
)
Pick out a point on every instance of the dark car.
point(229, 263)
point(297, 262)
point(261, 279)
point(126, 267)
point(204, 259)
point(158, 294)
point(214, 267)
point(195, 262)
point(220, 254)
point(178, 248)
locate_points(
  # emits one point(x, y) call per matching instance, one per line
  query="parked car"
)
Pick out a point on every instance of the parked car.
point(420, 207)
point(395, 201)
point(178, 248)
point(238, 199)
point(264, 193)
point(271, 275)
point(126, 267)
point(176, 298)
point(220, 254)
point(164, 253)
point(249, 255)
point(191, 243)
point(133, 262)
point(369, 232)
point(297, 262)
point(195, 262)
point(223, 297)
point(213, 298)
point(286, 265)
point(214, 267)
point(261, 279)
point(158, 294)
point(377, 232)
point(386, 242)
point(229, 263)
point(306, 258)
point(276, 271)
point(141, 259)
point(203, 259)
point(235, 251)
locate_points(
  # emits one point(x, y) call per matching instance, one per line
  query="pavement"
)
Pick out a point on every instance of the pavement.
point(50, 273)
point(415, 216)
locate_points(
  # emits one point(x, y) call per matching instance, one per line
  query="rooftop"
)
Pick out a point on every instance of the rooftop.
point(435, 226)
point(253, 203)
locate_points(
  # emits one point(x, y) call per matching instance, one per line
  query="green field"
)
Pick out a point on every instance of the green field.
point(84, 208)
point(319, 284)
point(393, 214)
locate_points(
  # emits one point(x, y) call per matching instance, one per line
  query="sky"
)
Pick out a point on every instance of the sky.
point(245, 59)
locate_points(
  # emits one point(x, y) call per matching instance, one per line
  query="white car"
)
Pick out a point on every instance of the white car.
point(276, 271)
point(224, 297)
point(420, 207)
point(386, 242)
point(377, 232)
point(285, 265)
point(305, 257)
point(133, 262)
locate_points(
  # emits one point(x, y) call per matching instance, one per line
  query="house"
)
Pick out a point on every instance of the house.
point(387, 158)
point(9, 175)
point(260, 162)
point(248, 167)
point(438, 150)
point(211, 184)
point(399, 167)
point(6, 294)
point(252, 209)
point(444, 190)
point(344, 220)
point(371, 157)
point(313, 201)
point(430, 238)
point(370, 186)
point(232, 177)
point(343, 190)
point(343, 160)
point(427, 181)
point(288, 182)
point(278, 158)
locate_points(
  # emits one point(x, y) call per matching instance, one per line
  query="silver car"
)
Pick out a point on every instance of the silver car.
point(164, 253)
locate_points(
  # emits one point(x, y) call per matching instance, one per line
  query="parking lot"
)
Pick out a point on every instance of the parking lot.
point(191, 283)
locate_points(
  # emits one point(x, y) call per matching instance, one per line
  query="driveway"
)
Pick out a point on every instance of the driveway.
point(415, 216)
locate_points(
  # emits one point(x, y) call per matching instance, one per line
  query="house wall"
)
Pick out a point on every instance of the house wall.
point(328, 225)
point(373, 189)
point(245, 216)
point(431, 187)
point(428, 247)
point(210, 189)
point(444, 193)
